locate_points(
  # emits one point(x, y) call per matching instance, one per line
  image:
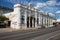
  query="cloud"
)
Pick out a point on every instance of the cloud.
point(40, 5)
point(51, 3)
point(12, 1)
point(51, 14)
point(47, 3)
point(58, 20)
point(58, 3)
point(58, 11)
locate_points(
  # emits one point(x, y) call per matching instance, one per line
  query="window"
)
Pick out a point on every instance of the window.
point(22, 19)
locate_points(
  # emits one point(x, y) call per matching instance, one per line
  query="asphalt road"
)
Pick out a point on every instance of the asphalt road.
point(55, 37)
point(38, 34)
point(49, 36)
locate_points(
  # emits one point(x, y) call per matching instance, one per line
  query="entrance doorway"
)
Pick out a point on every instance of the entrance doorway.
point(29, 22)
point(34, 22)
point(9, 23)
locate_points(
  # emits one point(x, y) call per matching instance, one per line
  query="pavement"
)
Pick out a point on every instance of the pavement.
point(2, 30)
point(5, 30)
point(38, 34)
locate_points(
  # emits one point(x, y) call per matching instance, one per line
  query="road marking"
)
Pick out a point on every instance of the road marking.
point(22, 35)
point(18, 35)
point(53, 36)
point(46, 36)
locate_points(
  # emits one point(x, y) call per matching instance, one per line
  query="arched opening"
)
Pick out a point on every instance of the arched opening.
point(30, 22)
point(9, 23)
point(27, 22)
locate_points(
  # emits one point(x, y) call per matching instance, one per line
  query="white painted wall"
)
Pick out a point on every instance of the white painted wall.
point(15, 21)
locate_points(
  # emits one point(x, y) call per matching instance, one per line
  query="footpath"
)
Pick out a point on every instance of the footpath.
point(2, 30)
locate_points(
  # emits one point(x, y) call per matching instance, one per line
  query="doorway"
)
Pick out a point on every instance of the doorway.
point(9, 23)
point(29, 22)
point(34, 22)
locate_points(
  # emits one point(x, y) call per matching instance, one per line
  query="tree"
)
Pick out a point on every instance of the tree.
point(3, 18)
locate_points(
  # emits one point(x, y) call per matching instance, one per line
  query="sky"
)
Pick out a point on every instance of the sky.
point(47, 6)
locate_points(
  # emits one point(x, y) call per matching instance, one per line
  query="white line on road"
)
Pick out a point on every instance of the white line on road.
point(46, 36)
point(17, 35)
point(53, 36)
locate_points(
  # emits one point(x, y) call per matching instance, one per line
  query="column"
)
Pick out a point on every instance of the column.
point(35, 19)
point(29, 17)
point(48, 21)
point(51, 21)
point(43, 20)
point(25, 19)
point(39, 21)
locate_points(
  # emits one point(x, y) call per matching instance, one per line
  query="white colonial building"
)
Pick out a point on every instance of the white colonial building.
point(28, 17)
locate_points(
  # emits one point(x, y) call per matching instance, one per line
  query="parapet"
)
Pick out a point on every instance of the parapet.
point(17, 5)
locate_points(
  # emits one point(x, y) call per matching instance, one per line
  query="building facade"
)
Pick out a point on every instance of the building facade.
point(28, 17)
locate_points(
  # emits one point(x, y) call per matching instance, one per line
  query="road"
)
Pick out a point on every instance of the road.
point(49, 36)
point(38, 34)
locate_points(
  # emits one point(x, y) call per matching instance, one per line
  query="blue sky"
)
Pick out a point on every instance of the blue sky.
point(50, 6)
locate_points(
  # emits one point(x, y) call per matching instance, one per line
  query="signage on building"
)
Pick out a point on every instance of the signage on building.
point(14, 23)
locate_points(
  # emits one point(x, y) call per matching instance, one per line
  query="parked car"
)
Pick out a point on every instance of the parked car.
point(2, 25)
point(52, 25)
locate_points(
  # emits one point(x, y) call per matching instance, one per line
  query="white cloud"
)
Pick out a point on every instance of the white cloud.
point(58, 11)
point(58, 20)
point(58, 3)
point(51, 14)
point(48, 3)
point(12, 1)
point(51, 3)
point(40, 5)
